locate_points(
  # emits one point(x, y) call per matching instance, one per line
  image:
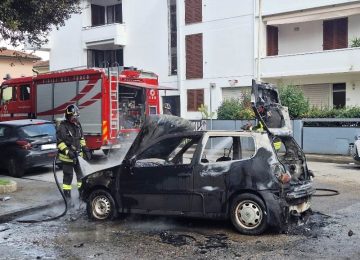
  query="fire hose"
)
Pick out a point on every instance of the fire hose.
point(63, 196)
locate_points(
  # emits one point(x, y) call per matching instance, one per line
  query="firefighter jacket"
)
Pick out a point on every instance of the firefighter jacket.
point(69, 136)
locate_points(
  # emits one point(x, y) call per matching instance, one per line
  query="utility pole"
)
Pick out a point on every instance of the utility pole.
point(259, 41)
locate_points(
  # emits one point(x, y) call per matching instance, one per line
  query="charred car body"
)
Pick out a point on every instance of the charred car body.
point(172, 169)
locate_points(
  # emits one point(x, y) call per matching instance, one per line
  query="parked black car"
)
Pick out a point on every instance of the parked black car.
point(26, 143)
point(172, 169)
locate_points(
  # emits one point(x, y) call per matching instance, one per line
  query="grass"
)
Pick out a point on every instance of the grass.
point(4, 182)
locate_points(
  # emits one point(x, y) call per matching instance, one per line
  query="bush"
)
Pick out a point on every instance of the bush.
point(355, 42)
point(293, 98)
point(236, 109)
point(350, 112)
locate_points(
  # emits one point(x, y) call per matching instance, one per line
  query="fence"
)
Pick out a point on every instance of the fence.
point(316, 135)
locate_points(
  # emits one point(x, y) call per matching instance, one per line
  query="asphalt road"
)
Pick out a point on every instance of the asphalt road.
point(331, 232)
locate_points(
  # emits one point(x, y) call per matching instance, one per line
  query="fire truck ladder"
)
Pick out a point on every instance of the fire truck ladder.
point(114, 103)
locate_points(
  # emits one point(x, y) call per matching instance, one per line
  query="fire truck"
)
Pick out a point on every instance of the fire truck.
point(112, 101)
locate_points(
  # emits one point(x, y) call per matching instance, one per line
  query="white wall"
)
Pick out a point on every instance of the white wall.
point(280, 6)
point(228, 49)
point(66, 45)
point(300, 37)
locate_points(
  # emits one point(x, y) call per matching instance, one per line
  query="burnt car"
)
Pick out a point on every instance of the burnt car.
point(170, 169)
point(25, 144)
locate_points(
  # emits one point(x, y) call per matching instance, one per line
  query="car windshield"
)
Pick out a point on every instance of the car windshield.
point(38, 130)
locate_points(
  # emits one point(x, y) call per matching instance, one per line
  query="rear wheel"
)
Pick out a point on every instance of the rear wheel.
point(248, 214)
point(101, 206)
point(15, 169)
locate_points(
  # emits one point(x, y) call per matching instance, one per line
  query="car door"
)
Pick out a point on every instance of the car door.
point(160, 179)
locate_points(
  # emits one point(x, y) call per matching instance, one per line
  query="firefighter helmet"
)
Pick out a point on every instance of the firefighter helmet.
point(72, 111)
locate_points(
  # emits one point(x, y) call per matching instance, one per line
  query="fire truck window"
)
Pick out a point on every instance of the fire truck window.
point(8, 94)
point(25, 92)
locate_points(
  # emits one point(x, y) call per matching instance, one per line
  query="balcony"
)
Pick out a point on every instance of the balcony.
point(104, 36)
point(311, 63)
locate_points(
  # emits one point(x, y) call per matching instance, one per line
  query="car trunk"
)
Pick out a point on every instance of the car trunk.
point(275, 119)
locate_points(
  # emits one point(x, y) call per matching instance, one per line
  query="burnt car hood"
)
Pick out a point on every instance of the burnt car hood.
point(154, 127)
point(266, 104)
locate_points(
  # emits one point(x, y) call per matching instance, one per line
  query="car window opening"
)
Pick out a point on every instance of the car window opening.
point(227, 148)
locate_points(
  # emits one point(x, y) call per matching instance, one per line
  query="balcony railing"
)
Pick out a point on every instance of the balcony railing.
point(113, 34)
point(311, 63)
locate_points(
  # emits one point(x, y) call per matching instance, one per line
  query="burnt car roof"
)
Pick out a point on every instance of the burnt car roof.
point(23, 122)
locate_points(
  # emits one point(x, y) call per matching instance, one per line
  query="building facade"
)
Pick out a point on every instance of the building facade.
point(208, 50)
point(313, 45)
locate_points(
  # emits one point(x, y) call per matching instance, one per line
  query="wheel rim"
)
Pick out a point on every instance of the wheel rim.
point(248, 214)
point(101, 207)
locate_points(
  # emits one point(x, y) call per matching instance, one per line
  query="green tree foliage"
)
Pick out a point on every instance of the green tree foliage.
point(31, 20)
point(293, 98)
point(236, 109)
point(205, 113)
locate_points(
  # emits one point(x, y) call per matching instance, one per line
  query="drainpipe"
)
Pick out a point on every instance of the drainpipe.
point(259, 45)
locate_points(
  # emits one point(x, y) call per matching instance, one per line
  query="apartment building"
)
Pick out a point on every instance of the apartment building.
point(311, 44)
point(202, 48)
point(208, 50)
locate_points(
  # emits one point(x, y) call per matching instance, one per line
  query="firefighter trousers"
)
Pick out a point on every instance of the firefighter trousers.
point(68, 170)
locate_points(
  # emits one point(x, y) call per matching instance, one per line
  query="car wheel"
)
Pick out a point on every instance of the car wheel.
point(248, 214)
point(101, 206)
point(15, 169)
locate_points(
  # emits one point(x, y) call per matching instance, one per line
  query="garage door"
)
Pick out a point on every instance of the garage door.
point(234, 92)
point(318, 94)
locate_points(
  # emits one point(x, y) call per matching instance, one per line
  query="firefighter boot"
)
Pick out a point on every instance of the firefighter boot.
point(67, 194)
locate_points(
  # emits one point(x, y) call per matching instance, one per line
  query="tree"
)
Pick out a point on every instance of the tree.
point(32, 20)
point(293, 98)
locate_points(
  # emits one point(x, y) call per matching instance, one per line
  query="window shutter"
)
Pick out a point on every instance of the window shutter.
point(335, 34)
point(341, 33)
point(190, 99)
point(195, 97)
point(194, 56)
point(272, 40)
point(193, 11)
point(328, 34)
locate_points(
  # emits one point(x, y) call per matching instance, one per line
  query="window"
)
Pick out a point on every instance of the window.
point(339, 95)
point(228, 148)
point(4, 131)
point(172, 37)
point(8, 93)
point(195, 98)
point(38, 130)
point(106, 14)
point(335, 34)
point(193, 11)
point(107, 58)
point(194, 56)
point(170, 151)
point(272, 33)
point(25, 92)
point(97, 15)
point(114, 13)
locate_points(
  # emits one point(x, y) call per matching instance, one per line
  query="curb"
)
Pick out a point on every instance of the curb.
point(7, 188)
point(329, 158)
point(19, 213)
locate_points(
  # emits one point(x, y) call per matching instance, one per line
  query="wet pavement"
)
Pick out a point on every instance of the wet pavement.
point(332, 231)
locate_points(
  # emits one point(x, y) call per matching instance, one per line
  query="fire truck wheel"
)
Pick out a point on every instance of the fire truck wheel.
point(101, 205)
point(248, 214)
point(106, 151)
point(15, 169)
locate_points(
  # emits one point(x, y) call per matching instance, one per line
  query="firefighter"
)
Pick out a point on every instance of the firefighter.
point(71, 144)
point(167, 109)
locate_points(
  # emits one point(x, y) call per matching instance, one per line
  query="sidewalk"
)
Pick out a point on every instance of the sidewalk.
point(33, 195)
point(30, 195)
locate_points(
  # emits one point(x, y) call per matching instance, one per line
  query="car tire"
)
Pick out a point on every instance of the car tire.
point(248, 214)
point(15, 169)
point(101, 206)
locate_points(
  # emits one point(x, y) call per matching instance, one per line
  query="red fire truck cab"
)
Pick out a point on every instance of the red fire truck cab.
point(112, 101)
